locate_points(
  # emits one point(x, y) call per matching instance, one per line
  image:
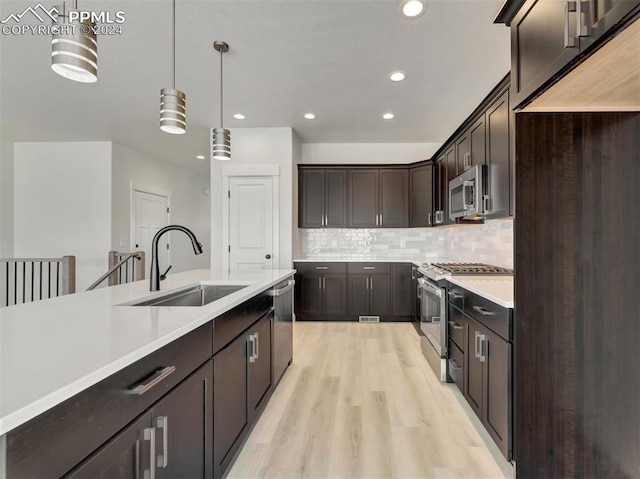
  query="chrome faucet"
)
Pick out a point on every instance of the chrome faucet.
point(155, 268)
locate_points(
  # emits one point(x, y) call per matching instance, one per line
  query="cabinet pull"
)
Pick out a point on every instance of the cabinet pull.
point(320, 282)
point(483, 311)
point(429, 219)
point(158, 376)
point(582, 29)
point(251, 347)
point(256, 337)
point(322, 267)
point(454, 325)
point(376, 220)
point(163, 423)
point(482, 356)
point(477, 337)
point(453, 295)
point(369, 267)
point(486, 204)
point(381, 223)
point(150, 435)
point(569, 42)
point(324, 283)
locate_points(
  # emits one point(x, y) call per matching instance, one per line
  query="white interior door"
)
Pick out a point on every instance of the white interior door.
point(150, 213)
point(251, 223)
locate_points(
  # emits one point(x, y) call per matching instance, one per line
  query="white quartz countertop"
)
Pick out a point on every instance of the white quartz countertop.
point(498, 289)
point(52, 349)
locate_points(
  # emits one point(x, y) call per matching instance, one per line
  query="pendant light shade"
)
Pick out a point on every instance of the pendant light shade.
point(221, 137)
point(74, 48)
point(173, 102)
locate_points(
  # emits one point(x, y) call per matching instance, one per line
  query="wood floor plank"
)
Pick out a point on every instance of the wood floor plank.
point(360, 401)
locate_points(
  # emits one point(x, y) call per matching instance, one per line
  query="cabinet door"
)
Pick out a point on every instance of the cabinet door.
point(359, 294)
point(497, 403)
point(380, 294)
point(543, 40)
point(334, 301)
point(127, 456)
point(335, 198)
point(363, 198)
point(312, 201)
point(402, 293)
point(463, 152)
point(452, 172)
point(260, 379)
point(441, 191)
point(309, 300)
point(498, 164)
point(229, 401)
point(474, 371)
point(393, 203)
point(183, 423)
point(421, 196)
point(477, 140)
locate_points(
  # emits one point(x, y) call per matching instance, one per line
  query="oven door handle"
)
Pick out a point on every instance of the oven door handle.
point(424, 284)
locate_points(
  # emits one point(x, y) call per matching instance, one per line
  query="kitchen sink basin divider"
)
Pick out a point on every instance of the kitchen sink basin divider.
point(23, 280)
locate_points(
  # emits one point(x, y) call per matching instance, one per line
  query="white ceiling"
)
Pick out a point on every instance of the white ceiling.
point(287, 57)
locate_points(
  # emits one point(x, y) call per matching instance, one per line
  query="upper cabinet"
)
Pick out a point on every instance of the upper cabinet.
point(323, 198)
point(470, 147)
point(499, 168)
point(546, 35)
point(378, 198)
point(421, 204)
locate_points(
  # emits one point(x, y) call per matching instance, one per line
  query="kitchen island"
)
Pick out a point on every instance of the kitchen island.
point(53, 351)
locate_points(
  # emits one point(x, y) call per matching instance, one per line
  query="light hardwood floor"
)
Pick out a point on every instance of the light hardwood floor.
point(360, 401)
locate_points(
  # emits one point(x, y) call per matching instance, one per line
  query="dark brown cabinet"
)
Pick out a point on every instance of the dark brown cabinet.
point(169, 441)
point(321, 290)
point(470, 147)
point(498, 159)
point(378, 198)
point(403, 291)
point(370, 294)
point(242, 377)
point(421, 206)
point(440, 190)
point(322, 198)
point(546, 35)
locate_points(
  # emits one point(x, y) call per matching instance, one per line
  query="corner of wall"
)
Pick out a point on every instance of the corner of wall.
point(6, 198)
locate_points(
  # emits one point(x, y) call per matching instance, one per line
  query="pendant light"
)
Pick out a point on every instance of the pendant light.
point(74, 48)
point(173, 102)
point(221, 137)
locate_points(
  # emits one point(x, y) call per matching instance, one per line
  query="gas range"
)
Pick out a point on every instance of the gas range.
point(440, 271)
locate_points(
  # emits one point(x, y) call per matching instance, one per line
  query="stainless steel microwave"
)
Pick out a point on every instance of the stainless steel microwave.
point(467, 197)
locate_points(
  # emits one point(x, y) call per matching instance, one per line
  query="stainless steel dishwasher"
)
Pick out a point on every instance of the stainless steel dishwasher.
point(282, 327)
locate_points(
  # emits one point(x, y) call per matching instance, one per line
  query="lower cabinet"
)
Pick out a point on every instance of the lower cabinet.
point(169, 441)
point(320, 291)
point(242, 379)
point(480, 361)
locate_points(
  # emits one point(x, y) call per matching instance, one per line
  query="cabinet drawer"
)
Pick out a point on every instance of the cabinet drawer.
point(490, 314)
point(321, 268)
point(455, 296)
point(370, 268)
point(455, 365)
point(61, 437)
point(456, 326)
point(232, 323)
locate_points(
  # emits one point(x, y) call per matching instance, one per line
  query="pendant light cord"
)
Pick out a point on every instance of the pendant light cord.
point(221, 87)
point(173, 38)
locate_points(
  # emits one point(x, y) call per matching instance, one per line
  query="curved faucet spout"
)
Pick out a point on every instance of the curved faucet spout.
point(154, 275)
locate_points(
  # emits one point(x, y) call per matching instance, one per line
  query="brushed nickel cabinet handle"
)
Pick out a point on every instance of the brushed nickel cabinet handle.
point(256, 339)
point(454, 325)
point(322, 267)
point(162, 422)
point(483, 311)
point(150, 435)
point(158, 376)
point(369, 267)
point(582, 29)
point(569, 42)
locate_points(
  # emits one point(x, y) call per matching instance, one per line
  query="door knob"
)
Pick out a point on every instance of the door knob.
point(268, 256)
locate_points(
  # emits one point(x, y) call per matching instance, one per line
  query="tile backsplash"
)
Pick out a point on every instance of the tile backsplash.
point(491, 243)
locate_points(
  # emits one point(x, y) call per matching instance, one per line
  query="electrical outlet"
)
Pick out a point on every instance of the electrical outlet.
point(403, 244)
point(334, 243)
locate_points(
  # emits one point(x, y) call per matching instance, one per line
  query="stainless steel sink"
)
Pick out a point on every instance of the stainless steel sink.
point(197, 295)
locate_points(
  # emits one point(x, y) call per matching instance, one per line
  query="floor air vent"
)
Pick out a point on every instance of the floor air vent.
point(369, 319)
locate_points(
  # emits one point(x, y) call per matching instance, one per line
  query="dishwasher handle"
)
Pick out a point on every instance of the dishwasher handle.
point(281, 291)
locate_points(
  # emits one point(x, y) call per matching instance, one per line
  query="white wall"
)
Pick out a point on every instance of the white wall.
point(6, 198)
point(189, 205)
point(364, 153)
point(295, 160)
point(62, 204)
point(257, 146)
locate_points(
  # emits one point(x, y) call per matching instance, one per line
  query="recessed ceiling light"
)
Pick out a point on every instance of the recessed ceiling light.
point(239, 116)
point(199, 157)
point(397, 76)
point(412, 8)
point(309, 116)
point(388, 116)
